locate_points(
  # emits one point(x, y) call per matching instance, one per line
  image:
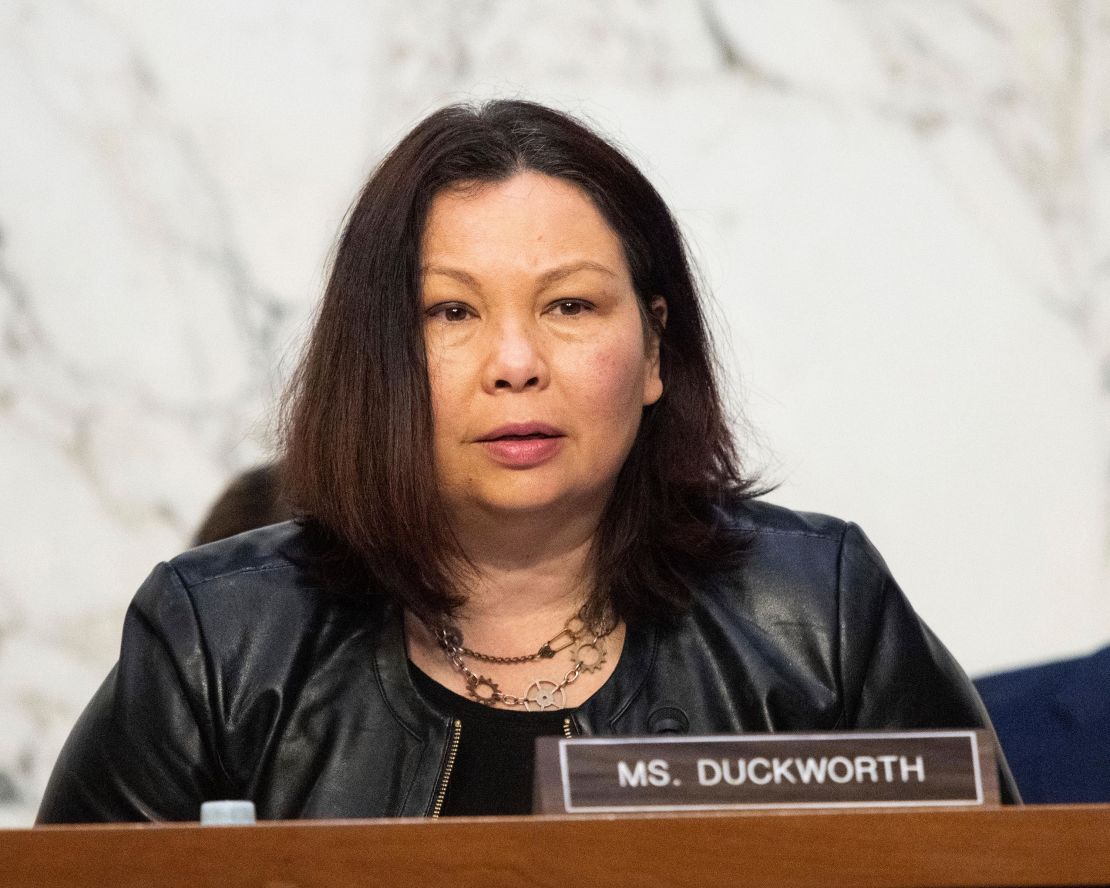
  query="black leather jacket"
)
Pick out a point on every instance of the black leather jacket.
point(238, 678)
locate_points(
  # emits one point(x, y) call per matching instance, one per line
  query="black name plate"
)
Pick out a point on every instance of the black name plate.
point(594, 775)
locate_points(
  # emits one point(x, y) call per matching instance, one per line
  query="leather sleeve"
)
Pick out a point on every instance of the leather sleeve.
point(895, 673)
point(144, 748)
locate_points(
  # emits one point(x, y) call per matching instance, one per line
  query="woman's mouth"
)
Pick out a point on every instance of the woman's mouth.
point(523, 445)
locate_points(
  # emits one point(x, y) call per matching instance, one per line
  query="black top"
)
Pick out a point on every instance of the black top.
point(492, 774)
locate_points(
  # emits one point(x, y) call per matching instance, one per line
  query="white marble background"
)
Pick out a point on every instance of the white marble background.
point(902, 208)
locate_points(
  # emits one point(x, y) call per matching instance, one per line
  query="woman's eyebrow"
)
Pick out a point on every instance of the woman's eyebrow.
point(549, 277)
point(457, 273)
point(562, 271)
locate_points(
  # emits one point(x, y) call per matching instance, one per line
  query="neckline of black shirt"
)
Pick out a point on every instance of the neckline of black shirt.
point(492, 773)
point(466, 709)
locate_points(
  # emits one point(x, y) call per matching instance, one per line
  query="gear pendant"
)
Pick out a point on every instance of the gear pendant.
point(483, 689)
point(591, 654)
point(544, 695)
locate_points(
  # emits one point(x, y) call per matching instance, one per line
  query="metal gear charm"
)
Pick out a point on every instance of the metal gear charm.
point(590, 653)
point(482, 689)
point(544, 695)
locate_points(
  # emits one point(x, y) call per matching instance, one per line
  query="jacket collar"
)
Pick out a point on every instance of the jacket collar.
point(391, 664)
point(601, 712)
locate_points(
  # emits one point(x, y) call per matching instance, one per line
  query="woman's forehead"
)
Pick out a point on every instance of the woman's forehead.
point(530, 223)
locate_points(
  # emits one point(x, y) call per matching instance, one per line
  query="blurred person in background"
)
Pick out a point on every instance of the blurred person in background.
point(1053, 721)
point(253, 499)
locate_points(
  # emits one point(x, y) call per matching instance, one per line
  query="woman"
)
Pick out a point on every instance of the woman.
point(522, 514)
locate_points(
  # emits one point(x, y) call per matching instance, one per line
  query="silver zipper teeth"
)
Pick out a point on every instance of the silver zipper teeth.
point(567, 727)
point(451, 753)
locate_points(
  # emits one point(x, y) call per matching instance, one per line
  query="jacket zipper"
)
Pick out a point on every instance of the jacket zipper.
point(568, 727)
point(453, 750)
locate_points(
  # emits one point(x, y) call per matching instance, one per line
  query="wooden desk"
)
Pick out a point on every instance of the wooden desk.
point(1035, 845)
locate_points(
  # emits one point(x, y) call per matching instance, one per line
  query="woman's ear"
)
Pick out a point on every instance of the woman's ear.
point(658, 311)
point(657, 323)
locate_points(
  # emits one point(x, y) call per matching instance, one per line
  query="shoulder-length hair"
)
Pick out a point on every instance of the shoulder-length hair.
point(357, 419)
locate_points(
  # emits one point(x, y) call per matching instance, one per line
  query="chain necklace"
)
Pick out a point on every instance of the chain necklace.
point(588, 652)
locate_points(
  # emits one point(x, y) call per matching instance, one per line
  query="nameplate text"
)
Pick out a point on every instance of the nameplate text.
point(592, 775)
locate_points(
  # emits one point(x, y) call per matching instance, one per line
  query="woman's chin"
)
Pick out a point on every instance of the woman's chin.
point(511, 502)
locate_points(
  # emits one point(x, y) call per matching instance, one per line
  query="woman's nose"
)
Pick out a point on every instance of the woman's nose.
point(515, 362)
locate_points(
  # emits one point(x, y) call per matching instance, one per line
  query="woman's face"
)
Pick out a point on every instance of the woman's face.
point(537, 356)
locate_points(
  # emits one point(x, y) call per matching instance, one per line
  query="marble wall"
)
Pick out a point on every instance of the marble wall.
point(901, 208)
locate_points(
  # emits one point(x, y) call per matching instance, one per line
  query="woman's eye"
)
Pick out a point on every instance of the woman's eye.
point(569, 307)
point(450, 313)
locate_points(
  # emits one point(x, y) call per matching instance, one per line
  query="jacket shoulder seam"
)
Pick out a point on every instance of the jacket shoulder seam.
point(830, 537)
point(239, 571)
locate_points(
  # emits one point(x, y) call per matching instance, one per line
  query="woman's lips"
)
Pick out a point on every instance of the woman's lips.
point(522, 452)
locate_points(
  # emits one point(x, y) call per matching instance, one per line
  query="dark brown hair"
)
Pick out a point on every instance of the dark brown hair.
point(359, 464)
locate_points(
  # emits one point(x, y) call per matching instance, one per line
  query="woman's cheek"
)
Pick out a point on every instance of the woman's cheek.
point(613, 376)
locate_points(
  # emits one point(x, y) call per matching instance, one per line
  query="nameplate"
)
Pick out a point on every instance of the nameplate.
point(597, 775)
